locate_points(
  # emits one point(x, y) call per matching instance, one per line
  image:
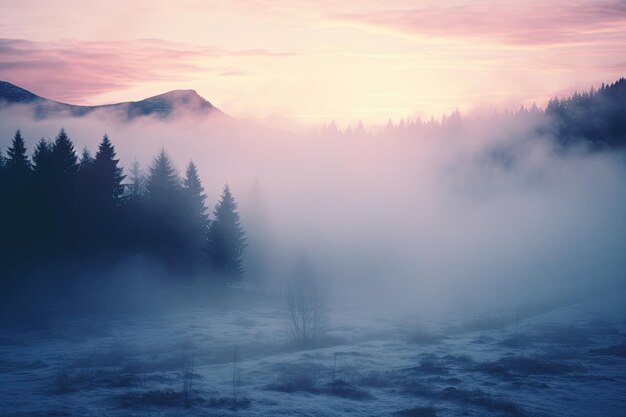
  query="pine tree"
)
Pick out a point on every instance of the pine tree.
point(85, 174)
point(42, 158)
point(62, 187)
point(43, 215)
point(17, 163)
point(64, 158)
point(17, 199)
point(226, 237)
point(86, 161)
point(162, 183)
point(162, 224)
point(194, 194)
point(18, 177)
point(107, 174)
point(196, 217)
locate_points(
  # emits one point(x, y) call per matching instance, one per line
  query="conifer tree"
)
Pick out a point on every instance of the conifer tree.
point(64, 158)
point(107, 174)
point(196, 217)
point(17, 198)
point(42, 158)
point(226, 237)
point(86, 161)
point(194, 195)
point(17, 163)
point(62, 189)
point(42, 182)
point(162, 214)
point(85, 175)
point(162, 183)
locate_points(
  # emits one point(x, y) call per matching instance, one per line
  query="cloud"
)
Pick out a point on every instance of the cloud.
point(74, 70)
point(516, 23)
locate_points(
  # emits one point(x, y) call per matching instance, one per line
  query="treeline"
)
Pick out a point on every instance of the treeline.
point(60, 208)
point(596, 117)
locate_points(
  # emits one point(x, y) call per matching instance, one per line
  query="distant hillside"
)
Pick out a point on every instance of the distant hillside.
point(162, 106)
point(597, 116)
point(594, 116)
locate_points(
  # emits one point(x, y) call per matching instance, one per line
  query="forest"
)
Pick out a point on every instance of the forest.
point(65, 211)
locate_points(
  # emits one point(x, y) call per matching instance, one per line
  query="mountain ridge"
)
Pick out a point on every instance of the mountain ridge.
point(165, 105)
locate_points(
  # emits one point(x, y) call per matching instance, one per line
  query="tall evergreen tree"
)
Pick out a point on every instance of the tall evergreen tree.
point(62, 186)
point(85, 178)
point(86, 161)
point(226, 237)
point(44, 211)
point(163, 233)
point(17, 163)
point(162, 183)
point(42, 158)
point(196, 217)
point(64, 158)
point(106, 194)
point(107, 174)
point(17, 199)
point(194, 195)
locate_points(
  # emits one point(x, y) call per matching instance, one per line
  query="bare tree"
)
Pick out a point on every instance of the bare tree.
point(306, 308)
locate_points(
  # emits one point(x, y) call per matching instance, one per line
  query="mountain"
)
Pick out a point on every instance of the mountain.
point(163, 106)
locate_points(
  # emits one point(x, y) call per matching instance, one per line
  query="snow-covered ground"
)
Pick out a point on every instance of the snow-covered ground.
point(564, 361)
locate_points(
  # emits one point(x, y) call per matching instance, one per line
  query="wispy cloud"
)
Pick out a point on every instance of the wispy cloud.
point(516, 23)
point(74, 70)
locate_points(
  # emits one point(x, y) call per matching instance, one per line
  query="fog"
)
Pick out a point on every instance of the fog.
point(482, 212)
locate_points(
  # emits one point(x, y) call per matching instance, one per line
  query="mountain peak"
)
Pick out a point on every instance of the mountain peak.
point(165, 104)
point(181, 92)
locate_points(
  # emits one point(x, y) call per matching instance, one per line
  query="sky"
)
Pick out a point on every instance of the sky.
point(315, 60)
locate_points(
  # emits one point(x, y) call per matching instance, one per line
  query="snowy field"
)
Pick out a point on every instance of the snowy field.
point(568, 360)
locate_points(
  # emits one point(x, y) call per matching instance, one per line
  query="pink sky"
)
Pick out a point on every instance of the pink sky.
point(315, 60)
